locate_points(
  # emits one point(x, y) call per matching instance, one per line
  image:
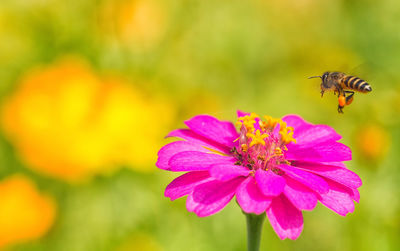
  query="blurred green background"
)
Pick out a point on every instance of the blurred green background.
point(89, 88)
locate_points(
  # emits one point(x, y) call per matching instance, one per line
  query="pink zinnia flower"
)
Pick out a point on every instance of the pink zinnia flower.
point(278, 166)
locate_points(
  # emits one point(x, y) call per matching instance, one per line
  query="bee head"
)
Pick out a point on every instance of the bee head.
point(325, 76)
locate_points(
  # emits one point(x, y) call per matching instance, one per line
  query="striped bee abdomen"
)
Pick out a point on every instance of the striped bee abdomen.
point(355, 83)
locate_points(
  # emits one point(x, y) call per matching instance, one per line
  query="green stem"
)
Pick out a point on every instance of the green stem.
point(254, 229)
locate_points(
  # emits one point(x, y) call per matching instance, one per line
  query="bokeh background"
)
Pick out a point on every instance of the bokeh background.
point(89, 88)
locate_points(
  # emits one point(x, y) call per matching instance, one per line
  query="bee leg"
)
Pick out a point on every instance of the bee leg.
point(349, 98)
point(340, 109)
point(338, 90)
point(322, 93)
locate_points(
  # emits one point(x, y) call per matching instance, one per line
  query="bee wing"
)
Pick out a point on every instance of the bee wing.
point(363, 71)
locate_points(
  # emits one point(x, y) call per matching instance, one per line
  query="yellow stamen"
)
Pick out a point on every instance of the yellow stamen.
point(278, 151)
point(283, 125)
point(253, 115)
point(261, 157)
point(287, 137)
point(287, 162)
point(257, 138)
point(249, 126)
point(244, 148)
point(286, 133)
point(269, 122)
point(248, 122)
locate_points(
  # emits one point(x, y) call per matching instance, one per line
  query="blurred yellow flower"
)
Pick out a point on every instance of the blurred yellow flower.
point(137, 23)
point(373, 142)
point(25, 214)
point(69, 123)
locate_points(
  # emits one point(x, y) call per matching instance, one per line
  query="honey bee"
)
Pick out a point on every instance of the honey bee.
point(343, 85)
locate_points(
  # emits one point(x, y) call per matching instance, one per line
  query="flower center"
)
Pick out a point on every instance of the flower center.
point(262, 142)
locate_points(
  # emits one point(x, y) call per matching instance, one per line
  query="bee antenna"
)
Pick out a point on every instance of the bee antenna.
point(315, 77)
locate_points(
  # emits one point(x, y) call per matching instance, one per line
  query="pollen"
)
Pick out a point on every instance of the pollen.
point(257, 138)
point(342, 100)
point(244, 147)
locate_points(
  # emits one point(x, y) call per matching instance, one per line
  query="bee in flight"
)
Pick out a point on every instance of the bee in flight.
point(343, 85)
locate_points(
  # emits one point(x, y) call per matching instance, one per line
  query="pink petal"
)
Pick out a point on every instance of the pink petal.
point(250, 198)
point(276, 130)
point(313, 135)
point(269, 183)
point(339, 199)
point(167, 151)
point(339, 174)
point(356, 195)
point(325, 152)
point(312, 181)
point(241, 113)
point(334, 163)
point(285, 219)
point(196, 161)
point(184, 184)
point(224, 172)
point(192, 137)
point(300, 196)
point(222, 132)
point(307, 134)
point(211, 197)
point(296, 122)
